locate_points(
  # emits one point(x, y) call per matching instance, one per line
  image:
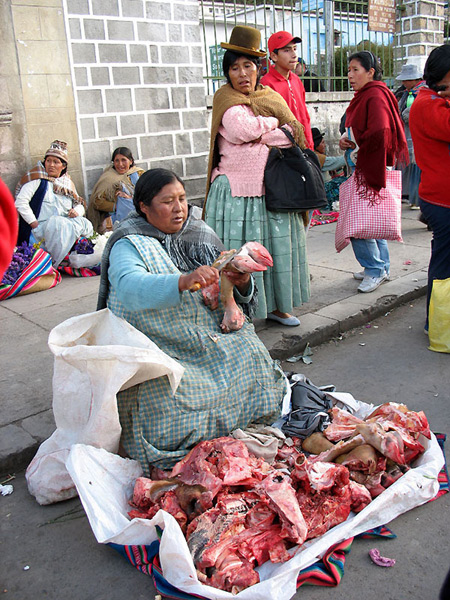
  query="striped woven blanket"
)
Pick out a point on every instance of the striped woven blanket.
point(37, 276)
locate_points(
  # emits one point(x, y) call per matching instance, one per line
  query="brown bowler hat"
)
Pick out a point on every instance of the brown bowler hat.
point(246, 40)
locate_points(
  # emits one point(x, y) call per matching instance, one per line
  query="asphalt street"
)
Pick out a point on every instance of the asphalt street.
point(50, 552)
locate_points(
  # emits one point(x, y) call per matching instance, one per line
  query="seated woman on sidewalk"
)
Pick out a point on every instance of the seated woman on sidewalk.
point(49, 207)
point(150, 263)
point(112, 195)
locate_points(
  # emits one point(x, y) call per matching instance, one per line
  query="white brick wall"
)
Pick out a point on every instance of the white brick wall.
point(137, 68)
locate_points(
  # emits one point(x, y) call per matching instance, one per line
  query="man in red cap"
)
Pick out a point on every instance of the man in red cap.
point(282, 79)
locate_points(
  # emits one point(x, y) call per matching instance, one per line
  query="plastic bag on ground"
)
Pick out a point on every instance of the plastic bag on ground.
point(439, 317)
point(96, 355)
point(78, 261)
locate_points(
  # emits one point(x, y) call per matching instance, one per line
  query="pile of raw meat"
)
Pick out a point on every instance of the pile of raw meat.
point(237, 511)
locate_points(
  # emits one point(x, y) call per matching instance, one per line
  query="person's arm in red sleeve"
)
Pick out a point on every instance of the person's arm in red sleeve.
point(8, 227)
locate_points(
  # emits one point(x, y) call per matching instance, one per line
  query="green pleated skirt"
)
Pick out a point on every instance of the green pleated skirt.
point(240, 219)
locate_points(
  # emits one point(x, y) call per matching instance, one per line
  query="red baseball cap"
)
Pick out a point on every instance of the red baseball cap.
point(280, 39)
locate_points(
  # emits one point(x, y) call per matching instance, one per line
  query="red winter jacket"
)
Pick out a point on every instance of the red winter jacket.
point(429, 122)
point(8, 227)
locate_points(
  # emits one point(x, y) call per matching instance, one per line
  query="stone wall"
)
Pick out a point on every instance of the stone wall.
point(419, 29)
point(138, 72)
point(36, 87)
point(13, 144)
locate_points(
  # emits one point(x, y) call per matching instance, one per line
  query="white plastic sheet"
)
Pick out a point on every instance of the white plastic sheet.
point(96, 355)
point(105, 483)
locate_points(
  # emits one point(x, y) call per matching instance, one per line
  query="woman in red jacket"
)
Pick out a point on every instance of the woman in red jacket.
point(429, 122)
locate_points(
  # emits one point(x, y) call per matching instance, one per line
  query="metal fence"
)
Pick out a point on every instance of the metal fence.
point(330, 31)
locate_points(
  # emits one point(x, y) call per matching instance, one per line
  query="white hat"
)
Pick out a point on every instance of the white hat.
point(409, 73)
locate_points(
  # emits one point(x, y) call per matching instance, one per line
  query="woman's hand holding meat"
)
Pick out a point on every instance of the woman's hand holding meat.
point(203, 276)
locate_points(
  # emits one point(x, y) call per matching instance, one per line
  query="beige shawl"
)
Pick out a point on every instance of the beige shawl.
point(263, 101)
point(103, 197)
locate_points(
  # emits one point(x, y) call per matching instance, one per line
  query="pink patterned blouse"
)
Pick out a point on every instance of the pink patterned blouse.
point(244, 142)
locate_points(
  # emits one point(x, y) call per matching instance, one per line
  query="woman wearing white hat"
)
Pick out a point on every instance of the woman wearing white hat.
point(411, 78)
point(49, 207)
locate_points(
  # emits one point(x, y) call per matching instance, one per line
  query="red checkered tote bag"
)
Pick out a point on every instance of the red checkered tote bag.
point(359, 218)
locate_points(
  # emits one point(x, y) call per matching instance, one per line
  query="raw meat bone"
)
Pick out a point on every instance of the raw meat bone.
point(149, 492)
point(363, 458)
point(341, 447)
point(251, 257)
point(389, 444)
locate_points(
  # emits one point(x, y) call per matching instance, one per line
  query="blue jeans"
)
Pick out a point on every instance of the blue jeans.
point(373, 255)
point(438, 217)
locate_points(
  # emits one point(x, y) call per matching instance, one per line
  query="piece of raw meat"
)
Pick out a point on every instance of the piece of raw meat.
point(233, 317)
point(342, 425)
point(324, 496)
point(413, 422)
point(389, 444)
point(363, 458)
point(210, 295)
point(342, 447)
point(252, 257)
point(267, 544)
point(412, 447)
point(170, 504)
point(233, 573)
point(360, 496)
point(215, 463)
point(277, 488)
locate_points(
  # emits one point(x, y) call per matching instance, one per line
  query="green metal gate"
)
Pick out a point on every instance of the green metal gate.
point(330, 30)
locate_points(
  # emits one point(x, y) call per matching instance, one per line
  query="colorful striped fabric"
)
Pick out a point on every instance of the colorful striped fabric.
point(80, 272)
point(322, 218)
point(39, 266)
point(328, 571)
point(381, 531)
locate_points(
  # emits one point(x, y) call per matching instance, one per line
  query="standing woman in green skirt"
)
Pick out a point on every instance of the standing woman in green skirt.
point(246, 122)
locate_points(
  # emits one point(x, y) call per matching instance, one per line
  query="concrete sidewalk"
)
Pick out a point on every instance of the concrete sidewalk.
point(26, 417)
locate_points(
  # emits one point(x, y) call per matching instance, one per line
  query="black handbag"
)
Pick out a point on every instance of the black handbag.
point(293, 179)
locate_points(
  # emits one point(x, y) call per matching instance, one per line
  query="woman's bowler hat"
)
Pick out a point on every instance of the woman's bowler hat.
point(245, 40)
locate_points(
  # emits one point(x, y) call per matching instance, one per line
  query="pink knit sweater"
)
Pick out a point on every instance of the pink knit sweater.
point(243, 141)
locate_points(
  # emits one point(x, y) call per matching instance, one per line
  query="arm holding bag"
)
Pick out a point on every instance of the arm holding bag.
point(293, 179)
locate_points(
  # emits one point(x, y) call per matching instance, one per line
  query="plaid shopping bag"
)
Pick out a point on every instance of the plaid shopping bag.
point(360, 218)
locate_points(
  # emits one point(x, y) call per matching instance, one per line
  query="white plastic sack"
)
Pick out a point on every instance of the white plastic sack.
point(105, 484)
point(77, 261)
point(96, 355)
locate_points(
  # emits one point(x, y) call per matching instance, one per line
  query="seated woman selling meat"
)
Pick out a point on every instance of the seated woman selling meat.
point(49, 206)
point(113, 193)
point(150, 263)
